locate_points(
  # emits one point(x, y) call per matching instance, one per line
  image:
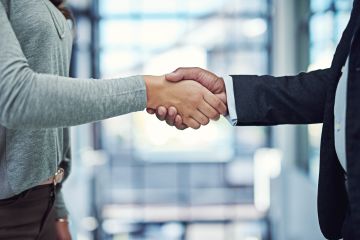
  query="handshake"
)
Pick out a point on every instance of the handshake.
point(187, 97)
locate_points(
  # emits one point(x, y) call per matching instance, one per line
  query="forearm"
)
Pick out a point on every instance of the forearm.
point(31, 100)
point(267, 100)
point(47, 101)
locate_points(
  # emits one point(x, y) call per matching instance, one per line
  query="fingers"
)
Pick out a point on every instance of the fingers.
point(209, 111)
point(161, 113)
point(170, 118)
point(215, 102)
point(200, 118)
point(179, 123)
point(192, 123)
point(150, 111)
point(170, 115)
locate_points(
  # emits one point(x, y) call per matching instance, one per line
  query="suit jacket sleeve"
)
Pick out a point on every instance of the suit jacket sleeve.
point(268, 100)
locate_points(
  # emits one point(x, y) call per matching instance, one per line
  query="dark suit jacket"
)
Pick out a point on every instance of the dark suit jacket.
point(309, 98)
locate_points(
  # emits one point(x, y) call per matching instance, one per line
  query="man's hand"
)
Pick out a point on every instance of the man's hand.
point(209, 80)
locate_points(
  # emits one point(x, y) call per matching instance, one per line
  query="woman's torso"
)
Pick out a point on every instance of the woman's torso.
point(27, 157)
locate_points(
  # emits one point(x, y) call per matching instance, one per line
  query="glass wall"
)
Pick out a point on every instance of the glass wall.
point(327, 22)
point(146, 180)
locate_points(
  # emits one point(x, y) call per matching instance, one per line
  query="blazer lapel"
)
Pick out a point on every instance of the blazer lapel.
point(352, 135)
point(332, 194)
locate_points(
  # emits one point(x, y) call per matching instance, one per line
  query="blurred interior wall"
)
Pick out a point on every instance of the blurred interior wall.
point(293, 212)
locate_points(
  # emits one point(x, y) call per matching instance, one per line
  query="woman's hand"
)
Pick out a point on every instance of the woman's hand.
point(62, 230)
point(194, 103)
point(170, 115)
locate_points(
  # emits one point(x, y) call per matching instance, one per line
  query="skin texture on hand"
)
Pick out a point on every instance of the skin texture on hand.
point(62, 231)
point(194, 103)
point(209, 80)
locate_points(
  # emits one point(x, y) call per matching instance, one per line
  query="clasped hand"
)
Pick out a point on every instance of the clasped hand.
point(187, 97)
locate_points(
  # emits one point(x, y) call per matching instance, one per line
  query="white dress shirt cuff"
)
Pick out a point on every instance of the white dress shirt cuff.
point(232, 117)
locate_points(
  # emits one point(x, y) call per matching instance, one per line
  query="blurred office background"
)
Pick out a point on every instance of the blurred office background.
point(134, 178)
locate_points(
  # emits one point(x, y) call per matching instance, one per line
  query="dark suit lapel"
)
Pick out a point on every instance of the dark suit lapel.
point(332, 194)
point(353, 136)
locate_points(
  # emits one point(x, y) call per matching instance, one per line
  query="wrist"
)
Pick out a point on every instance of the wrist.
point(154, 86)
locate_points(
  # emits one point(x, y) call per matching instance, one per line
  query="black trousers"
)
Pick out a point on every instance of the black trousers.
point(29, 215)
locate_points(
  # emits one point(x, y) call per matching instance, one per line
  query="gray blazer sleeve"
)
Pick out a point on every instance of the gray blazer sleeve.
point(29, 100)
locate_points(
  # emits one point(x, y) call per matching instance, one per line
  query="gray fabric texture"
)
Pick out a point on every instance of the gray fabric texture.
point(38, 101)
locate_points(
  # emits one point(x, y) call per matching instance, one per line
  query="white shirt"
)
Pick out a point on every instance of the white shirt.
point(340, 116)
point(339, 112)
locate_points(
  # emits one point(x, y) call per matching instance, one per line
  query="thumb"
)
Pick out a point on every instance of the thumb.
point(173, 77)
